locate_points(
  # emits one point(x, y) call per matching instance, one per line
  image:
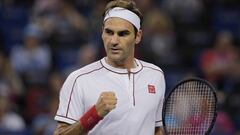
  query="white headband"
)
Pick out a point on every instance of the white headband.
point(124, 14)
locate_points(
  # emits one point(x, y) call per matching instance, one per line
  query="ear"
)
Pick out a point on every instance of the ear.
point(138, 37)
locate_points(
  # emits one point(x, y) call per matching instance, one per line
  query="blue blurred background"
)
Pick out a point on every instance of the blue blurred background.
point(42, 41)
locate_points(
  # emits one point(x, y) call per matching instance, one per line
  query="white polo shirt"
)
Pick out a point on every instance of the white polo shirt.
point(140, 97)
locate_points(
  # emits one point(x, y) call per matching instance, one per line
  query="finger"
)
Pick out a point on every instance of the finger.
point(107, 96)
point(109, 99)
point(108, 93)
point(109, 102)
point(110, 107)
point(111, 93)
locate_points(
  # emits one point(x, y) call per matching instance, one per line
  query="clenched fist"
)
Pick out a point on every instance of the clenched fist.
point(106, 102)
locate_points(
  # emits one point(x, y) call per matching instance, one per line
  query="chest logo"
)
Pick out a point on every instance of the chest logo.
point(151, 89)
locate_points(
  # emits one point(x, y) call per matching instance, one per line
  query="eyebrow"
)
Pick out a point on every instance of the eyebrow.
point(124, 31)
point(119, 32)
point(107, 29)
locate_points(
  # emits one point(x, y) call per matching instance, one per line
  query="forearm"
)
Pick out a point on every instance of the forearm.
point(106, 102)
point(66, 129)
point(159, 131)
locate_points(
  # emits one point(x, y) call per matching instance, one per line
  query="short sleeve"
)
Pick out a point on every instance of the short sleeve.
point(162, 87)
point(70, 102)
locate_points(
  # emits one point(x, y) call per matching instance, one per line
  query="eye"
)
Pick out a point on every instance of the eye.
point(123, 33)
point(109, 32)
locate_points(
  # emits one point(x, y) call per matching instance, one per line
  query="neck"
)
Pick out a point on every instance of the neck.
point(127, 64)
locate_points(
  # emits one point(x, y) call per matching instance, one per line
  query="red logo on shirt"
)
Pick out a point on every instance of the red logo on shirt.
point(151, 89)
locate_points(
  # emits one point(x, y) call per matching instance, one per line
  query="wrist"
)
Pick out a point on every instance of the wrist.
point(90, 118)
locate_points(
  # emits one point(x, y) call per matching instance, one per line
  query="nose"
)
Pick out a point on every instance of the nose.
point(114, 39)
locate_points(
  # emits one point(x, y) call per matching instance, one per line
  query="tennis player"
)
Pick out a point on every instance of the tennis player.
point(119, 94)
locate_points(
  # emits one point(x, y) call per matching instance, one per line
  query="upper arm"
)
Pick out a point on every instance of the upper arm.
point(161, 87)
point(71, 106)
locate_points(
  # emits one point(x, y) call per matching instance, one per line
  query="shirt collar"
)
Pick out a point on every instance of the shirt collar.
point(121, 70)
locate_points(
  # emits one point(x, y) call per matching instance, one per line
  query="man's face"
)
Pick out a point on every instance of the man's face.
point(119, 39)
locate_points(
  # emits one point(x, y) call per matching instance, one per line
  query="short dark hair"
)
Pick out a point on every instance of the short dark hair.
point(127, 4)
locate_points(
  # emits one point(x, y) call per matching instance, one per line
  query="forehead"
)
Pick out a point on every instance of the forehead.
point(118, 24)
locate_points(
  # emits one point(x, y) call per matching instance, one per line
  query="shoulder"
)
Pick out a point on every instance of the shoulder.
point(88, 69)
point(82, 73)
point(150, 66)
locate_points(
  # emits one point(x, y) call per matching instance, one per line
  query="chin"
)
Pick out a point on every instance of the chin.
point(114, 57)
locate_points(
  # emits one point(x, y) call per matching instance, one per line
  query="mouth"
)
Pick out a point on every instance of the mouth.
point(115, 50)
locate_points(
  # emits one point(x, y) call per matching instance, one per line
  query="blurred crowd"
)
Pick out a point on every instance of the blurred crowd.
point(42, 41)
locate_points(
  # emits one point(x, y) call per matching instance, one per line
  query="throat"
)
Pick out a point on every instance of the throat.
point(122, 64)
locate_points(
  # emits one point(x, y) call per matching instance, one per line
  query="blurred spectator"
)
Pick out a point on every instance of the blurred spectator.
point(183, 10)
point(145, 5)
point(160, 41)
point(10, 121)
point(233, 105)
point(87, 6)
point(70, 21)
point(44, 124)
point(10, 78)
point(64, 29)
point(224, 125)
point(32, 60)
point(44, 6)
point(86, 54)
point(95, 23)
point(55, 82)
point(65, 26)
point(221, 63)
